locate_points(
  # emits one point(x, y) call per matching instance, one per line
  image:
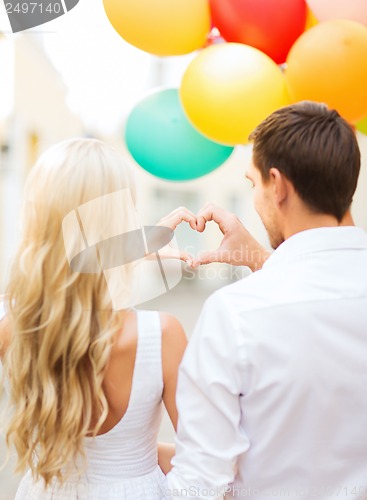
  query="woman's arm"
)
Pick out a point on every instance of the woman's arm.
point(174, 343)
point(166, 452)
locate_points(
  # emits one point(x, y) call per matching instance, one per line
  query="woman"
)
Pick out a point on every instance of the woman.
point(86, 382)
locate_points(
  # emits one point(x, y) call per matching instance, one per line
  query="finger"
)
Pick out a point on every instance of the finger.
point(177, 216)
point(186, 257)
point(181, 209)
point(207, 258)
point(176, 253)
point(211, 212)
point(169, 252)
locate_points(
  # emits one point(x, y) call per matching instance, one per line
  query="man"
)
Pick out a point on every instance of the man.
point(272, 388)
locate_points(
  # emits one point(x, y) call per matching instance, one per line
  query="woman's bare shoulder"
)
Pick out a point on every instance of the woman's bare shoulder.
point(127, 335)
point(173, 335)
point(171, 328)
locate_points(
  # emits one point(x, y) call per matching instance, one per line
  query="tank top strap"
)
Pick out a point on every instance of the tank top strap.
point(2, 309)
point(149, 351)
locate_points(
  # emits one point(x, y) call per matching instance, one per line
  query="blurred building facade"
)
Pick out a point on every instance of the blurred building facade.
point(33, 115)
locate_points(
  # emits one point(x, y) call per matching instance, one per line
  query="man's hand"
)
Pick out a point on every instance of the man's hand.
point(238, 246)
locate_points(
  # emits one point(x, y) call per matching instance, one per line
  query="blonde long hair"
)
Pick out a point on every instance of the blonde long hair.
point(62, 321)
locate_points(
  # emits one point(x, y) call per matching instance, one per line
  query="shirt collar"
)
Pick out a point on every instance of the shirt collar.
point(318, 240)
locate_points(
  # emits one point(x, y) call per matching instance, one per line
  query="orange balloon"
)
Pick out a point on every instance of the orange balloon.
point(328, 63)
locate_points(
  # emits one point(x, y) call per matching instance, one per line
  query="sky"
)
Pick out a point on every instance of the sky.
point(104, 75)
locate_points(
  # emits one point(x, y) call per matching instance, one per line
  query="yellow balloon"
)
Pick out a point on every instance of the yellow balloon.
point(161, 27)
point(228, 89)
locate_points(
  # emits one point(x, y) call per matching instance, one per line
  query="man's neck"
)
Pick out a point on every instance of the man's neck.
point(309, 221)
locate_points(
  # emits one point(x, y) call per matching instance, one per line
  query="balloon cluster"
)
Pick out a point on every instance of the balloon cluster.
point(263, 54)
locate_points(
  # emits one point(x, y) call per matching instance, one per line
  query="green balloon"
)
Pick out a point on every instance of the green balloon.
point(162, 141)
point(362, 126)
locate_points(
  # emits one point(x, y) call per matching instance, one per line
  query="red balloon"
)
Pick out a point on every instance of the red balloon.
point(271, 26)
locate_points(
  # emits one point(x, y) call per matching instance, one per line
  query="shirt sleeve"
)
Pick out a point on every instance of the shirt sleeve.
point(209, 435)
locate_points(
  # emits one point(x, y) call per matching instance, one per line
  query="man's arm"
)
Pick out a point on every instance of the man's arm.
point(209, 436)
point(238, 246)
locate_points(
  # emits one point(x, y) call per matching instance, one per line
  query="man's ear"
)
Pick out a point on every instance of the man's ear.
point(280, 184)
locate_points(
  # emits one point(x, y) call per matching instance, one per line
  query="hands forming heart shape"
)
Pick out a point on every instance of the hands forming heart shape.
point(238, 247)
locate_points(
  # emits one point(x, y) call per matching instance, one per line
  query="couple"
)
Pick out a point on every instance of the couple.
point(271, 390)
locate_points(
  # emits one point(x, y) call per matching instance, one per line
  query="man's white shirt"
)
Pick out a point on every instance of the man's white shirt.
point(272, 390)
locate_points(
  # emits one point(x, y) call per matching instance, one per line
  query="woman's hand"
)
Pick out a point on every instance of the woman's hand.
point(166, 452)
point(172, 221)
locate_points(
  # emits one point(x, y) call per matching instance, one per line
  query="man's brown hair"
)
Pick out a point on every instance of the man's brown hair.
point(316, 149)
